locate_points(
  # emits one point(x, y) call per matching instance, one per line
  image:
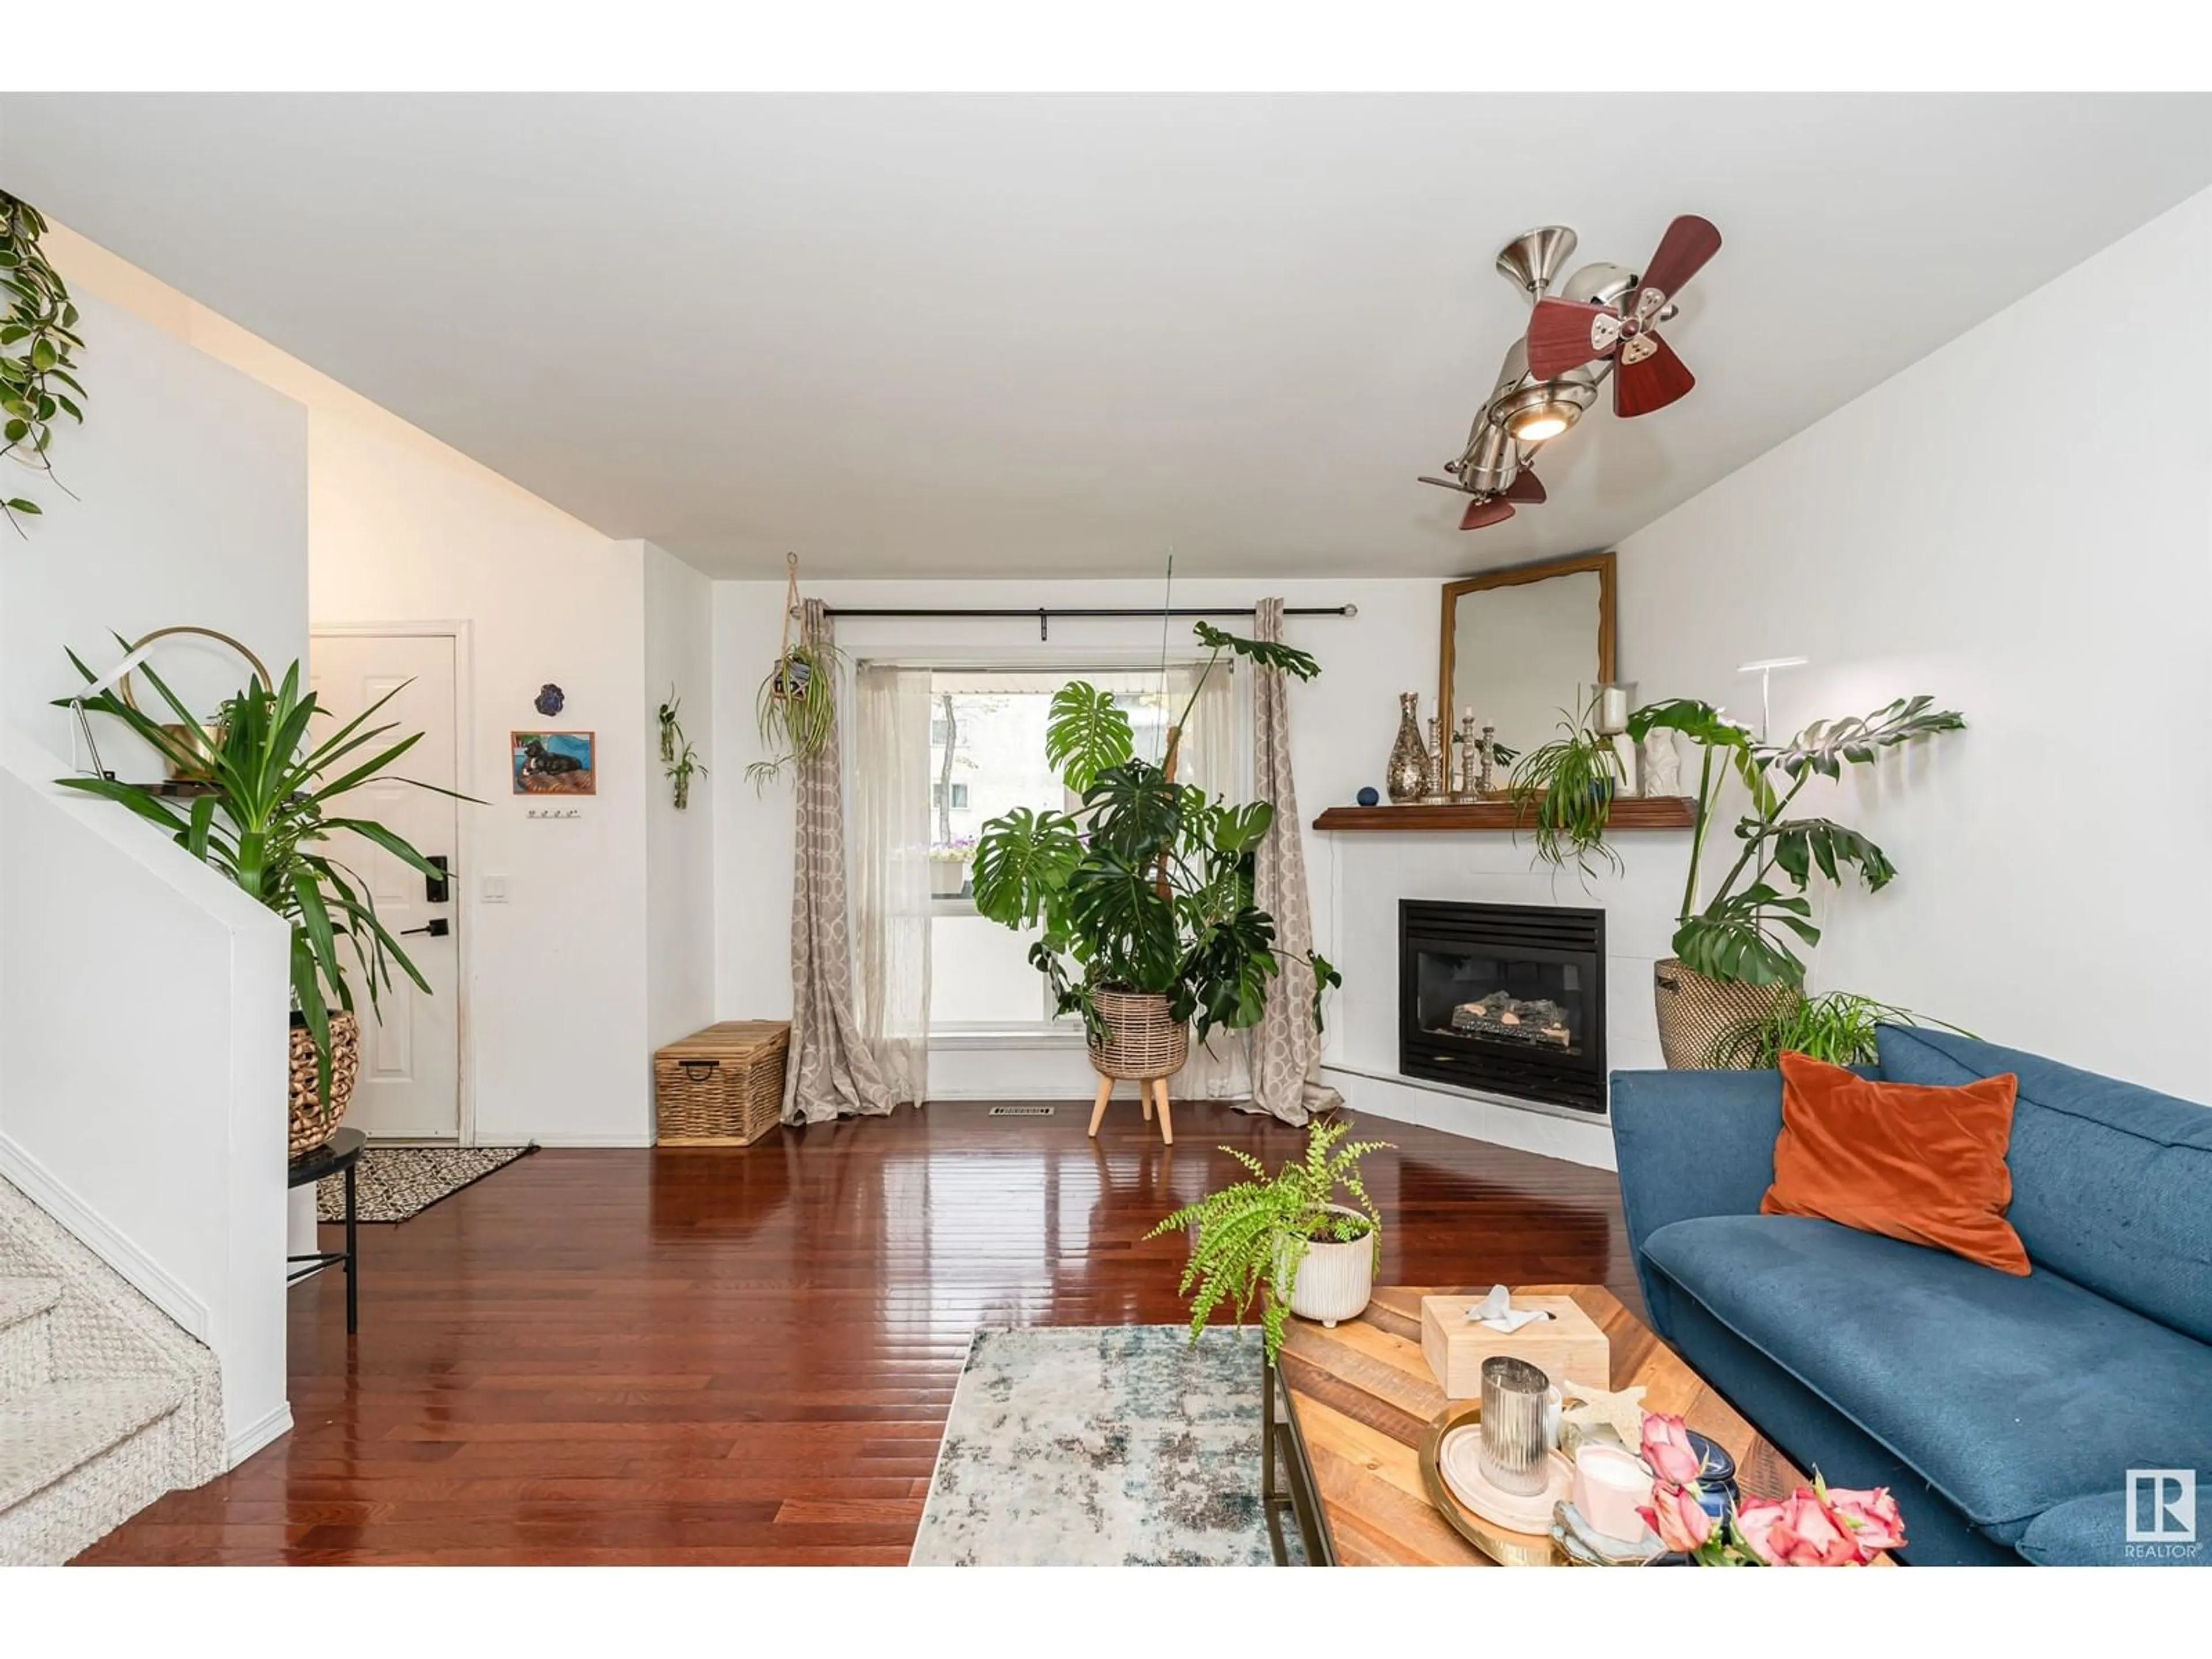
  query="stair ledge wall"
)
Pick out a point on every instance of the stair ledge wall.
point(142, 999)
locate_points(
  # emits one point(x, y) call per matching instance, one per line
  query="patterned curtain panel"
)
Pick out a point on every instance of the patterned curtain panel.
point(891, 779)
point(1218, 1068)
point(831, 1073)
point(1285, 1051)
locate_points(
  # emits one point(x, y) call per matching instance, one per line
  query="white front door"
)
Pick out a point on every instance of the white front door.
point(410, 1073)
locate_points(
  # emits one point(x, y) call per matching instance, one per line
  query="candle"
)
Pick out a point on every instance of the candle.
point(1610, 1486)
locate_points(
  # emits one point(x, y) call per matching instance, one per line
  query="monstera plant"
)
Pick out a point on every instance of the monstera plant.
point(1736, 966)
point(1737, 934)
point(1147, 887)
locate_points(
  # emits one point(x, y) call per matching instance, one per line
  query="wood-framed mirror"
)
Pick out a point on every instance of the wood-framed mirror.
point(1519, 645)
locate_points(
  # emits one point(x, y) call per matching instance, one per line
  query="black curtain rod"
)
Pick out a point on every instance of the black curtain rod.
point(1042, 615)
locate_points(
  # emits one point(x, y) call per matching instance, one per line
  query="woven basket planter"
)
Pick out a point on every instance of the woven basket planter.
point(1694, 1010)
point(722, 1086)
point(313, 1121)
point(1142, 1041)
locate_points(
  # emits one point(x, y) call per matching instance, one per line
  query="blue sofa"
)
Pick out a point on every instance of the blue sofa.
point(2005, 1413)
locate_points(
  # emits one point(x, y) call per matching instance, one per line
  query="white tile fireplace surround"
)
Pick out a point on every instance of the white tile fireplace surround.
point(1360, 878)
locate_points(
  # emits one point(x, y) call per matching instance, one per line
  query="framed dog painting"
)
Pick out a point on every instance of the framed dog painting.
point(555, 763)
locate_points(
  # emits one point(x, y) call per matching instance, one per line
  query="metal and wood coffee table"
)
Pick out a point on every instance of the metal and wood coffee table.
point(1347, 1410)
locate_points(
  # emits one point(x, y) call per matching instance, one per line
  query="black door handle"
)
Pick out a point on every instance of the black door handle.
point(438, 888)
point(437, 927)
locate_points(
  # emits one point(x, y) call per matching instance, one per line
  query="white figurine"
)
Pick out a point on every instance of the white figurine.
point(1662, 766)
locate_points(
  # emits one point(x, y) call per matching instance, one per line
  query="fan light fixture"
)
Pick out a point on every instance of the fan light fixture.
point(1534, 426)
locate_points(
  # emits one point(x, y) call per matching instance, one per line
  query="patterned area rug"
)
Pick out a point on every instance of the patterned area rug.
point(1101, 1446)
point(394, 1183)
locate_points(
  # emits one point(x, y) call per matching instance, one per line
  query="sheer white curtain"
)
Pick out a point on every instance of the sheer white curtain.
point(890, 871)
point(1208, 757)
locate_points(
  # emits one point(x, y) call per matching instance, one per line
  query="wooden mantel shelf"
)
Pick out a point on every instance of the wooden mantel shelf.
point(1630, 812)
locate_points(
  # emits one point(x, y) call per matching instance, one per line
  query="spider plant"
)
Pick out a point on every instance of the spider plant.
point(1563, 790)
point(1247, 1239)
point(1837, 1026)
point(265, 822)
point(796, 709)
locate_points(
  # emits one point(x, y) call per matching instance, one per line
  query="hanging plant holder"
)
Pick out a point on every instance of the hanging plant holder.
point(796, 708)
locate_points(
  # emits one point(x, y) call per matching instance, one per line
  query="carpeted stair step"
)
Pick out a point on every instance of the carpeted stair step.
point(47, 1430)
point(26, 1354)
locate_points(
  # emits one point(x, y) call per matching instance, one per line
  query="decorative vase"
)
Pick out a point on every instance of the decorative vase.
point(1334, 1281)
point(1408, 777)
point(313, 1122)
point(1143, 1041)
point(1695, 1010)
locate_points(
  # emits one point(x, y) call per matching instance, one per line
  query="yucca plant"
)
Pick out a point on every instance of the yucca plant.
point(1837, 1026)
point(1247, 1240)
point(265, 822)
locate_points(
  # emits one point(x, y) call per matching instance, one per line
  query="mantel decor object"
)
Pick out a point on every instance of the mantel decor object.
point(1408, 777)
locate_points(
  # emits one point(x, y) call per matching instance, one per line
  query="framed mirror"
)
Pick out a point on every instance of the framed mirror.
point(1519, 645)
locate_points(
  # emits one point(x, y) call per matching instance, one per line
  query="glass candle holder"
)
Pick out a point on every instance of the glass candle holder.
point(1513, 1444)
point(1609, 705)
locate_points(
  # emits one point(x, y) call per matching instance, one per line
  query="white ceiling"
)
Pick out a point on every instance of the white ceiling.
point(986, 334)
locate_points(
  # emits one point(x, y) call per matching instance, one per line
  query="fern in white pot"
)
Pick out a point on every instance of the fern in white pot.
point(1285, 1240)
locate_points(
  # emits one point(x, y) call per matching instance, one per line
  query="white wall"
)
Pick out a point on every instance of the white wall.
point(403, 528)
point(2021, 524)
point(679, 847)
point(142, 999)
point(1342, 726)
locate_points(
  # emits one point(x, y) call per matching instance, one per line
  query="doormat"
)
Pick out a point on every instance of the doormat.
point(1101, 1446)
point(394, 1183)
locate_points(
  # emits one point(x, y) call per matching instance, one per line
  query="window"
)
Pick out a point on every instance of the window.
point(986, 756)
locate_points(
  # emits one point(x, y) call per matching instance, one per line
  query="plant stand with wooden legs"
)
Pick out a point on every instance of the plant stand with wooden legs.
point(1148, 1091)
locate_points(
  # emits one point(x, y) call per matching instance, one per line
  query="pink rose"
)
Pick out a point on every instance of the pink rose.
point(1872, 1518)
point(1797, 1531)
point(1676, 1515)
point(1667, 1448)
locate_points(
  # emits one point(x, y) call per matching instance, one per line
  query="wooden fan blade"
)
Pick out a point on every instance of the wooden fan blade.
point(1481, 514)
point(1680, 255)
point(1651, 382)
point(1526, 489)
point(1561, 335)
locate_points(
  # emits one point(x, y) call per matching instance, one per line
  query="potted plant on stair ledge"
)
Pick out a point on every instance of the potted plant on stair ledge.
point(1144, 893)
point(259, 812)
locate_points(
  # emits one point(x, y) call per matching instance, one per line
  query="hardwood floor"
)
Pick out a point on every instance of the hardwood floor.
point(747, 1356)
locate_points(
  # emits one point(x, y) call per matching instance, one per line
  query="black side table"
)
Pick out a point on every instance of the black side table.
point(339, 1153)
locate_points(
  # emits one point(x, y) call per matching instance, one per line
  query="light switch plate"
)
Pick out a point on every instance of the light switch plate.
point(494, 890)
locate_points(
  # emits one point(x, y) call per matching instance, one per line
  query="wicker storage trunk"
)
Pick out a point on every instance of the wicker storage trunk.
point(722, 1086)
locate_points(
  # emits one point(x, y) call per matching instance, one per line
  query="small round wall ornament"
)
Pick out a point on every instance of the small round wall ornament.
point(551, 699)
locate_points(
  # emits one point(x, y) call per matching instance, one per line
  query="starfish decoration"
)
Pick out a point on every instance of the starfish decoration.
point(1622, 1411)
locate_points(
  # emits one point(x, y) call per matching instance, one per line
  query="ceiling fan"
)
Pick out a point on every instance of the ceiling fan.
point(1601, 324)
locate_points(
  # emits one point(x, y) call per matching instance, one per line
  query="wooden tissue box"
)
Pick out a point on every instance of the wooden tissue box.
point(1567, 1345)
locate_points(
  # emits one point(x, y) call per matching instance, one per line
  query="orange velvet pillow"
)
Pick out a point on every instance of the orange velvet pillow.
point(1903, 1159)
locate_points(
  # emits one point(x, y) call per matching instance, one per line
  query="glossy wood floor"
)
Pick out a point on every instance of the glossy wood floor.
point(747, 1356)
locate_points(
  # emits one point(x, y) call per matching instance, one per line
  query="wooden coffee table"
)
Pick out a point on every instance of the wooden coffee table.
point(1354, 1403)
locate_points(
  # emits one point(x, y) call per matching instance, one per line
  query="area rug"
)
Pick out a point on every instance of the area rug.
point(394, 1183)
point(1101, 1446)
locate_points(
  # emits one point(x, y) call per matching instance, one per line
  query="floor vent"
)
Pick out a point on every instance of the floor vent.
point(1021, 1111)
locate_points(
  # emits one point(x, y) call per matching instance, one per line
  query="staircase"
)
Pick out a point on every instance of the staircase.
point(105, 1404)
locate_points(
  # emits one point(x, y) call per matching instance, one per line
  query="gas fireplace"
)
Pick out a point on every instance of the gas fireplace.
point(1509, 999)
